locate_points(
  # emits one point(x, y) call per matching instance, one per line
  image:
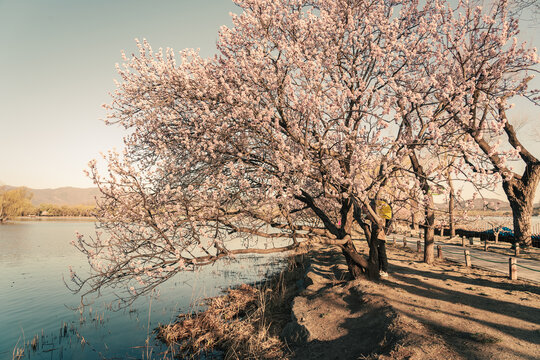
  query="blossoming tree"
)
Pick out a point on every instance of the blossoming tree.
point(481, 68)
point(457, 106)
point(289, 135)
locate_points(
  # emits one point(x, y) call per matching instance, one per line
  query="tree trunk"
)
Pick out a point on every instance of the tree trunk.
point(373, 261)
point(356, 263)
point(413, 219)
point(451, 205)
point(522, 213)
point(429, 210)
point(429, 232)
point(520, 193)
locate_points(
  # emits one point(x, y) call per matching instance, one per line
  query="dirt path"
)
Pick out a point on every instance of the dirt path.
point(420, 312)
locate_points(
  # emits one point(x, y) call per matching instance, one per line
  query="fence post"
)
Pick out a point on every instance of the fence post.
point(512, 269)
point(463, 241)
point(404, 241)
point(467, 258)
point(439, 252)
point(418, 246)
point(394, 240)
point(486, 246)
point(516, 251)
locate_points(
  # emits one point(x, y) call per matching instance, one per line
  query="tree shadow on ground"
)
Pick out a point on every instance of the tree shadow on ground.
point(484, 282)
point(331, 268)
point(472, 345)
point(519, 333)
point(370, 328)
point(364, 333)
point(421, 288)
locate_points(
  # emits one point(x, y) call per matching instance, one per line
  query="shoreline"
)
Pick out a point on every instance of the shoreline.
point(45, 218)
point(245, 322)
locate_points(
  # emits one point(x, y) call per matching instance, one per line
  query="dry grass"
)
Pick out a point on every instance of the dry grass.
point(245, 323)
point(35, 342)
point(18, 353)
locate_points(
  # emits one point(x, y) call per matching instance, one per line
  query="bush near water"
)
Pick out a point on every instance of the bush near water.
point(17, 202)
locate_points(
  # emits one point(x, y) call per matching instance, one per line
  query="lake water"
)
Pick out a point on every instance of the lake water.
point(34, 257)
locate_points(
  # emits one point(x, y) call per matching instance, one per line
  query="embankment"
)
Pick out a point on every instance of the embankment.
point(312, 311)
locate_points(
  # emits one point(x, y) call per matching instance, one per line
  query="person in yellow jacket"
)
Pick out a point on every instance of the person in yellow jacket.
point(385, 211)
point(383, 260)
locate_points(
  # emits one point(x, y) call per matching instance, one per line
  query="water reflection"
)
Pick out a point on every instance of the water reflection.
point(35, 305)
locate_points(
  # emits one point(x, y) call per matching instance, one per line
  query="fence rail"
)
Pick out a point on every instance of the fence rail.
point(483, 230)
point(512, 260)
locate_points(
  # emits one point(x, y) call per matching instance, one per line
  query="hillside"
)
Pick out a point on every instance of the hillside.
point(63, 196)
point(480, 204)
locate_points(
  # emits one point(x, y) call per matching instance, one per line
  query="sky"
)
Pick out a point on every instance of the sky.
point(57, 66)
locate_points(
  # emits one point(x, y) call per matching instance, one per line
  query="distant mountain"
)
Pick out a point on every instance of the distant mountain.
point(481, 204)
point(63, 196)
point(491, 204)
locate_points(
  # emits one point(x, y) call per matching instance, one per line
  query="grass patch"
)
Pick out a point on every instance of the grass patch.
point(245, 323)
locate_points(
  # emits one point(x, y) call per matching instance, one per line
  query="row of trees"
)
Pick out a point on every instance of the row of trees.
point(311, 113)
point(14, 202)
point(65, 210)
point(17, 202)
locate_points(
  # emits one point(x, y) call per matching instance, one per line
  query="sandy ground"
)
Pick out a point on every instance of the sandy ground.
point(444, 311)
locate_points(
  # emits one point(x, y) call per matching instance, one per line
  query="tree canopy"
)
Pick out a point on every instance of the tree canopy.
point(311, 112)
point(14, 202)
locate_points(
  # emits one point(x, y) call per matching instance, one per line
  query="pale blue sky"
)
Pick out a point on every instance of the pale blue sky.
point(57, 62)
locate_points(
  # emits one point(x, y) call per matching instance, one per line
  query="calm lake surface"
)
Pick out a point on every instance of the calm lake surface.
point(34, 257)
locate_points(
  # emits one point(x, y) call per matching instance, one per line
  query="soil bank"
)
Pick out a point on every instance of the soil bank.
point(444, 311)
point(313, 311)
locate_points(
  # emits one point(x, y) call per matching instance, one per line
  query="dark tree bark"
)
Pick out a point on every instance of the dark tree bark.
point(451, 206)
point(373, 261)
point(520, 193)
point(371, 232)
point(413, 220)
point(356, 263)
point(429, 231)
point(519, 189)
point(429, 211)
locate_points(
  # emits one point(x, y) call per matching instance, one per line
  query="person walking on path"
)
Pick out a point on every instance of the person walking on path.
point(383, 260)
point(385, 211)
